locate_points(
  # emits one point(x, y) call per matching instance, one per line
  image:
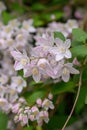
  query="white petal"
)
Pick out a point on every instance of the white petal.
point(74, 71)
point(24, 84)
point(37, 77)
point(18, 66)
point(16, 54)
point(32, 29)
point(68, 54)
point(67, 43)
point(59, 57)
point(66, 77)
point(54, 50)
point(58, 42)
point(19, 89)
point(27, 72)
point(50, 72)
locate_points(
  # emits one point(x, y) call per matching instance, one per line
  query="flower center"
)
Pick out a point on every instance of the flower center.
point(12, 92)
point(53, 62)
point(70, 24)
point(35, 71)
point(62, 49)
point(20, 37)
point(10, 42)
point(8, 30)
point(46, 104)
point(65, 71)
point(14, 23)
point(42, 65)
point(24, 61)
point(2, 103)
point(26, 27)
point(19, 82)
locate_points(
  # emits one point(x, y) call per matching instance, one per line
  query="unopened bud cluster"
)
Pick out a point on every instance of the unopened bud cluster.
point(39, 112)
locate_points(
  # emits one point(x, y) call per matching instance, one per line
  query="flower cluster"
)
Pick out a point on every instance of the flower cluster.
point(17, 35)
point(38, 112)
point(47, 59)
point(10, 91)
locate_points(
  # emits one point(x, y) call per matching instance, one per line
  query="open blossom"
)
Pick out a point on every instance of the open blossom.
point(23, 119)
point(21, 59)
point(71, 24)
point(12, 94)
point(47, 104)
point(15, 107)
point(21, 39)
point(46, 40)
point(43, 64)
point(32, 70)
point(2, 91)
point(57, 27)
point(65, 71)
point(15, 23)
point(7, 32)
point(43, 116)
point(61, 50)
point(4, 105)
point(27, 26)
point(3, 79)
point(37, 69)
point(18, 83)
point(34, 112)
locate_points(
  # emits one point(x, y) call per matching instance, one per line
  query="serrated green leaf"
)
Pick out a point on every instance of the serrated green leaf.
point(58, 15)
point(28, 128)
point(31, 98)
point(18, 8)
point(79, 35)
point(58, 121)
point(6, 17)
point(3, 121)
point(59, 35)
point(63, 87)
point(79, 51)
point(86, 99)
point(38, 7)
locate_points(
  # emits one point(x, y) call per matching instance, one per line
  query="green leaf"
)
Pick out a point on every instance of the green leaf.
point(6, 17)
point(59, 35)
point(37, 21)
point(28, 128)
point(86, 99)
point(18, 8)
point(31, 98)
point(81, 100)
point(63, 87)
point(3, 121)
point(79, 35)
point(79, 51)
point(38, 7)
point(58, 15)
point(58, 121)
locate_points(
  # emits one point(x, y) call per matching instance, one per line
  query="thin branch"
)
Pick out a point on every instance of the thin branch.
point(78, 92)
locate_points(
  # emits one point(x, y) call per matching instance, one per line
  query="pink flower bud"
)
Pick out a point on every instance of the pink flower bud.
point(39, 102)
point(50, 96)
